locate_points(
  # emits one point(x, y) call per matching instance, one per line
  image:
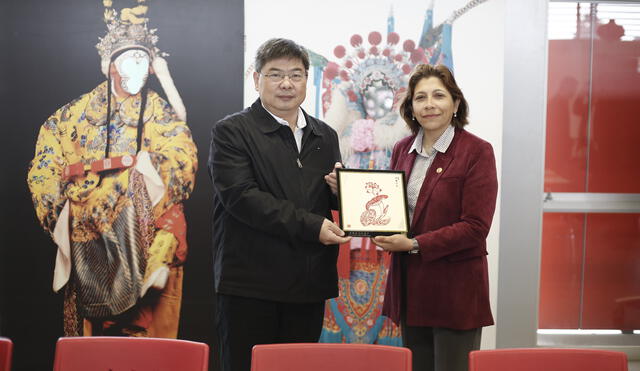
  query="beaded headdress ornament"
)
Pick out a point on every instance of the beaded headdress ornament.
point(364, 66)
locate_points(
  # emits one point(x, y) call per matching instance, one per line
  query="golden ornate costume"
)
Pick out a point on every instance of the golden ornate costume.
point(124, 228)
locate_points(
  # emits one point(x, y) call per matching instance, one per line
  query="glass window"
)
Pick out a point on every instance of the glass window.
point(590, 266)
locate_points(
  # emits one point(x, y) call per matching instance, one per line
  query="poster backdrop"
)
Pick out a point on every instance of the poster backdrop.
point(49, 58)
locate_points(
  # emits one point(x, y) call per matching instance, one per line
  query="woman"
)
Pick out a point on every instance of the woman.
point(438, 281)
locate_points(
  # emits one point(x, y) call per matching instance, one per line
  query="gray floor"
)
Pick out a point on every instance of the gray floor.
point(634, 366)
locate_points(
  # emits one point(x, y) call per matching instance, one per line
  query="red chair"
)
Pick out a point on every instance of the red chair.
point(547, 359)
point(6, 350)
point(129, 353)
point(330, 357)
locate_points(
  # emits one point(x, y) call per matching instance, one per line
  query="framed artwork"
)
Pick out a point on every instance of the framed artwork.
point(372, 202)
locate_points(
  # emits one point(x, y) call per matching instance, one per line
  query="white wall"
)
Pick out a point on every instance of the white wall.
point(478, 57)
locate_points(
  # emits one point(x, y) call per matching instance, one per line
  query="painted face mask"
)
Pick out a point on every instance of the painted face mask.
point(133, 67)
point(378, 100)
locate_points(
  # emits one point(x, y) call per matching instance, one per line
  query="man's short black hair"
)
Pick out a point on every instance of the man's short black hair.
point(280, 48)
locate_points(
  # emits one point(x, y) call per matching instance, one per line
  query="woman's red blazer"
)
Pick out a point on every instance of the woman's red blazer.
point(447, 283)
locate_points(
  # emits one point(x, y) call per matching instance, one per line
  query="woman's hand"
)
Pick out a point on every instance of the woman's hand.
point(393, 243)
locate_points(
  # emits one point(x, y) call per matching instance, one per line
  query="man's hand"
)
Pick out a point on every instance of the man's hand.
point(331, 234)
point(393, 243)
point(332, 178)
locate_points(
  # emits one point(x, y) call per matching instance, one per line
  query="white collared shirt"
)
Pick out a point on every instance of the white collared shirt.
point(422, 163)
point(300, 124)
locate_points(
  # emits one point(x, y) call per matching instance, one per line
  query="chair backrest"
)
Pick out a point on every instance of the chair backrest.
point(547, 359)
point(331, 357)
point(129, 353)
point(6, 350)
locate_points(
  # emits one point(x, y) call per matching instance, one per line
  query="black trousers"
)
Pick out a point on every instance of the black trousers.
point(244, 322)
point(441, 349)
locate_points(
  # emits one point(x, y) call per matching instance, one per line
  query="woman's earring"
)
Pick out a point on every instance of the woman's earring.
point(455, 114)
point(413, 118)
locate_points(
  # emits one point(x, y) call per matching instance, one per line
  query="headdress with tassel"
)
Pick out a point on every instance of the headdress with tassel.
point(129, 31)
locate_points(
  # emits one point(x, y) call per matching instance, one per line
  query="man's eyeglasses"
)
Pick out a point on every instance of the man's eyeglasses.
point(279, 76)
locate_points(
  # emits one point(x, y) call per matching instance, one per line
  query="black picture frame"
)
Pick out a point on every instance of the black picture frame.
point(372, 202)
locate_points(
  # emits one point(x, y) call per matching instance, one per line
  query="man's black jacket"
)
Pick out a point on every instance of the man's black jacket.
point(269, 203)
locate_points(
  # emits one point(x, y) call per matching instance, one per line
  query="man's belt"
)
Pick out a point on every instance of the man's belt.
point(98, 166)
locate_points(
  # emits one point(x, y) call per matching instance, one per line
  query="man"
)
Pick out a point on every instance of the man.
point(110, 172)
point(275, 245)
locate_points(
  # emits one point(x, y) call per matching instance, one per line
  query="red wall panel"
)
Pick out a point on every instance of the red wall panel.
point(567, 116)
point(561, 271)
point(614, 165)
point(612, 272)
